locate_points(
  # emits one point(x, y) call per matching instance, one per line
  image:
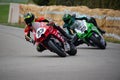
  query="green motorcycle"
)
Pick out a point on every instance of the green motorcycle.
point(88, 33)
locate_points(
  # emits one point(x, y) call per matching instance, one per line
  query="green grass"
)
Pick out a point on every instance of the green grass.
point(4, 10)
point(111, 39)
point(13, 1)
point(14, 25)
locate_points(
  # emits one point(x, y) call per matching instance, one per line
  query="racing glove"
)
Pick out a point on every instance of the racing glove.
point(32, 41)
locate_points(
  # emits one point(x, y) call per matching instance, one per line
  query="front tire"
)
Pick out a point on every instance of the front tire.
point(56, 48)
point(98, 41)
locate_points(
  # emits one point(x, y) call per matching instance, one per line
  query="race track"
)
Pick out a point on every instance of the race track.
point(19, 60)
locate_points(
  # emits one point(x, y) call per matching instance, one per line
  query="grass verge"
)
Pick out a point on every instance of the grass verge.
point(111, 39)
point(4, 10)
point(14, 25)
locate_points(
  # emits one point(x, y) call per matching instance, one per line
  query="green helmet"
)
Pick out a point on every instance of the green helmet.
point(29, 18)
point(67, 18)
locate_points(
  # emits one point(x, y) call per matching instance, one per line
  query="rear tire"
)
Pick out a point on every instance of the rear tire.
point(73, 50)
point(56, 48)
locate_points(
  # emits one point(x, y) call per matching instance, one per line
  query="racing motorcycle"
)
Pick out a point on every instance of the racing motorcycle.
point(89, 34)
point(54, 41)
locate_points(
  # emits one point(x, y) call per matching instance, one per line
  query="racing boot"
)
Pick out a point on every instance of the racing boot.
point(92, 20)
point(101, 31)
point(40, 48)
point(66, 46)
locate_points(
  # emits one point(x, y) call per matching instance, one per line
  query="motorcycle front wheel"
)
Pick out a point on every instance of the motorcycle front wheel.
point(98, 41)
point(54, 47)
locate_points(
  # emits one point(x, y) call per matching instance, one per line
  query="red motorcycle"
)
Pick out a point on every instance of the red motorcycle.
point(53, 40)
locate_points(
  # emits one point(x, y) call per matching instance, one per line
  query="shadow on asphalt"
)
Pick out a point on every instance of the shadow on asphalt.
point(40, 56)
point(47, 56)
point(43, 56)
point(90, 48)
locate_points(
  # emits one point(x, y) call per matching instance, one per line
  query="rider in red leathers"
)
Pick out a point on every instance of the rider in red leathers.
point(29, 19)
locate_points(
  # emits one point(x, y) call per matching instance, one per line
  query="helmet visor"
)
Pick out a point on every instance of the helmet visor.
point(66, 20)
point(28, 22)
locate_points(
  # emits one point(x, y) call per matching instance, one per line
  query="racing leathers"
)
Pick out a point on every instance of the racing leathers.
point(29, 28)
point(68, 27)
point(35, 24)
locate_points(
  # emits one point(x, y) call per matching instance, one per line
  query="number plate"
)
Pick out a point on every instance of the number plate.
point(82, 28)
point(39, 32)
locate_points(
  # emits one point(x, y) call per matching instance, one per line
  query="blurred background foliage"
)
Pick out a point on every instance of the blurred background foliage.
point(109, 4)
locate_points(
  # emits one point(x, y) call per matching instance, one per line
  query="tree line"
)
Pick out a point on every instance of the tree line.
point(109, 4)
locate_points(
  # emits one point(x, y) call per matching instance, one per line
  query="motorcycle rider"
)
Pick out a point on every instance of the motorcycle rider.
point(70, 19)
point(29, 19)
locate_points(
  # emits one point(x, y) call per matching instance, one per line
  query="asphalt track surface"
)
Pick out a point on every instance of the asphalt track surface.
point(19, 60)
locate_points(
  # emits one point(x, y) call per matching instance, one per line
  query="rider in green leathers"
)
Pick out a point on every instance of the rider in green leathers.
point(70, 19)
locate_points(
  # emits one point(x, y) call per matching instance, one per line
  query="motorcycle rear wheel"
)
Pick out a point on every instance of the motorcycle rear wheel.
point(73, 51)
